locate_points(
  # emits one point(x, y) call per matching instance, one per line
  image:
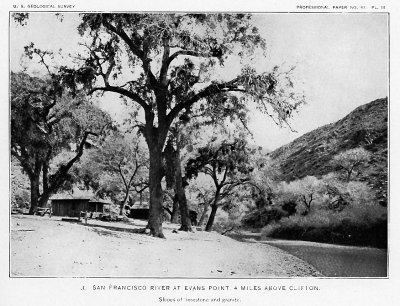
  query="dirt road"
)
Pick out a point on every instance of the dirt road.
point(49, 247)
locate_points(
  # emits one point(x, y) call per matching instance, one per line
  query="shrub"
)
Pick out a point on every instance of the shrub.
point(290, 207)
point(20, 198)
point(264, 216)
point(225, 222)
point(362, 225)
point(345, 212)
point(305, 192)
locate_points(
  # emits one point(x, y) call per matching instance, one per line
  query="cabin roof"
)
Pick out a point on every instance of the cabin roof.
point(55, 198)
point(70, 197)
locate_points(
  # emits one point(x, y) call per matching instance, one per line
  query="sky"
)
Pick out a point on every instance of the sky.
point(341, 62)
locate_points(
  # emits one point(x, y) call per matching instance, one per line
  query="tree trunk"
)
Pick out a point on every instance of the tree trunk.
point(214, 208)
point(45, 196)
point(121, 208)
point(34, 180)
point(180, 193)
point(52, 186)
point(175, 209)
point(44, 199)
point(156, 193)
point(212, 217)
point(185, 218)
point(45, 177)
point(35, 183)
point(169, 158)
point(203, 214)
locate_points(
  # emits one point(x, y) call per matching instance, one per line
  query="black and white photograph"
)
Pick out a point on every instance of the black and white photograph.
point(247, 146)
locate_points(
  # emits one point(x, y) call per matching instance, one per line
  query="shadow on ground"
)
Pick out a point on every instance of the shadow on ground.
point(101, 229)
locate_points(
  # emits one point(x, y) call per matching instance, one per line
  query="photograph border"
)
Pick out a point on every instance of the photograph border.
point(84, 279)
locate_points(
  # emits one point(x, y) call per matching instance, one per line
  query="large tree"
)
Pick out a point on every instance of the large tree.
point(166, 64)
point(44, 121)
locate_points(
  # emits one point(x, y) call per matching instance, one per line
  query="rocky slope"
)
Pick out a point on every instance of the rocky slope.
point(366, 126)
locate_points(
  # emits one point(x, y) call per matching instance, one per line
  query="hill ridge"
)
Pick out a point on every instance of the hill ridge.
point(310, 154)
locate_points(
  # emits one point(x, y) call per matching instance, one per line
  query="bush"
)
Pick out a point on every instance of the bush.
point(324, 210)
point(264, 216)
point(355, 226)
point(290, 207)
point(21, 198)
point(225, 222)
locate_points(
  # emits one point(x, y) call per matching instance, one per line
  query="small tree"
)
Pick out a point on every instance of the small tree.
point(128, 160)
point(117, 166)
point(264, 181)
point(342, 194)
point(350, 161)
point(227, 163)
point(305, 191)
point(335, 192)
point(201, 191)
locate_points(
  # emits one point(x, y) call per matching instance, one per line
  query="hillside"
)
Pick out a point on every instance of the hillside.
point(366, 126)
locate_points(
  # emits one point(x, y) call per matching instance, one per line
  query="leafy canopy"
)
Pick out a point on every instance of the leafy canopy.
point(169, 62)
point(226, 162)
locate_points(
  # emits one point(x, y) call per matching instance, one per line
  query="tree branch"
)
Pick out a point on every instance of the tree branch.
point(134, 49)
point(59, 177)
point(122, 176)
point(169, 60)
point(209, 91)
point(123, 92)
point(165, 62)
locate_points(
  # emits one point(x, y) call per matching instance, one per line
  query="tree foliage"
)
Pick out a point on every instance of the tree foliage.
point(115, 168)
point(168, 64)
point(350, 162)
point(44, 121)
point(305, 191)
point(227, 163)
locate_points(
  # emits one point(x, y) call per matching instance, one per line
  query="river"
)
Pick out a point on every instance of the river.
point(331, 260)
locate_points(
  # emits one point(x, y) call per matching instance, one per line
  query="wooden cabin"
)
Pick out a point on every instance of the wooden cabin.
point(71, 207)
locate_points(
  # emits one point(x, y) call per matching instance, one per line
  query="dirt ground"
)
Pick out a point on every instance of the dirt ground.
point(49, 247)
